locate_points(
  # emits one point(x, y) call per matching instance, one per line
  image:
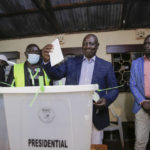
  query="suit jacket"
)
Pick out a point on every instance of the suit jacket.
point(103, 75)
point(137, 83)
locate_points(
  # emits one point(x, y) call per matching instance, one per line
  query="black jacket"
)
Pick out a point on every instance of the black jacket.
point(2, 76)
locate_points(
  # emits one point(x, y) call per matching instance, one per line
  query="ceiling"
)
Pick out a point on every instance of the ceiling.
point(29, 18)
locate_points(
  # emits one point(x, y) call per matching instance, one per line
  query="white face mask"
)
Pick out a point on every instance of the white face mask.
point(33, 58)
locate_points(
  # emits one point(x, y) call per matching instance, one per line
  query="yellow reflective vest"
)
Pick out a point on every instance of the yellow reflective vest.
point(20, 78)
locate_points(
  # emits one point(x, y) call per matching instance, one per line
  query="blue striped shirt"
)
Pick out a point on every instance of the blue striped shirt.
point(87, 70)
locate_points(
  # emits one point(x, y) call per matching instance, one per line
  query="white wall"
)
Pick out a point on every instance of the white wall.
point(123, 103)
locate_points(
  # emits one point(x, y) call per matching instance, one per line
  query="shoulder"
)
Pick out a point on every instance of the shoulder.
point(75, 59)
point(138, 61)
point(18, 65)
point(102, 61)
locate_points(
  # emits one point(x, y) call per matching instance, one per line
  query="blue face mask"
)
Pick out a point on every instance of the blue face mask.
point(33, 58)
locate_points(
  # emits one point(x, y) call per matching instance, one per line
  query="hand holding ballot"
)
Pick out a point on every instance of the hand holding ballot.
point(53, 53)
point(100, 105)
point(45, 52)
point(101, 102)
point(98, 102)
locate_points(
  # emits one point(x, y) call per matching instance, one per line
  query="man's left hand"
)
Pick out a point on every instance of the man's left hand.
point(146, 105)
point(101, 103)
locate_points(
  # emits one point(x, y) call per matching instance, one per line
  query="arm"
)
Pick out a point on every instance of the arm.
point(111, 82)
point(139, 98)
point(110, 95)
point(11, 76)
point(133, 84)
point(54, 73)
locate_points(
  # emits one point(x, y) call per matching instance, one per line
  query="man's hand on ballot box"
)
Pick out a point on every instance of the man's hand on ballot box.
point(45, 52)
point(101, 103)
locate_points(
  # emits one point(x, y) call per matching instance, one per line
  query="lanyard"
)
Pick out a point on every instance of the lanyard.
point(33, 76)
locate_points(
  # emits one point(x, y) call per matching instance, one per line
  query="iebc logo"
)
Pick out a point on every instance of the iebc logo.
point(46, 114)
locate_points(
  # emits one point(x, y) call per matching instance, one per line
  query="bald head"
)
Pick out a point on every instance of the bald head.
point(90, 45)
point(91, 35)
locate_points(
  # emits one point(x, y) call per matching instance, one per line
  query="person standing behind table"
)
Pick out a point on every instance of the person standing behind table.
point(28, 73)
point(140, 88)
point(87, 69)
point(3, 64)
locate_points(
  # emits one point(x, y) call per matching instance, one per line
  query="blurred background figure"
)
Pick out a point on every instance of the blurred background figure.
point(3, 64)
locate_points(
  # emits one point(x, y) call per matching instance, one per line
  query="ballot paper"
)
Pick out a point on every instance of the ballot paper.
point(56, 56)
point(95, 97)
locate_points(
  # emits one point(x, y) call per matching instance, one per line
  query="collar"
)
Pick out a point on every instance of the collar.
point(91, 60)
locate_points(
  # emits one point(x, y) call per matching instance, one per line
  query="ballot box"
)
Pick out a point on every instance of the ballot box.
point(59, 118)
point(4, 145)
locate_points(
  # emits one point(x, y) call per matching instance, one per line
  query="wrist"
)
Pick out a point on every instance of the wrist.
point(141, 103)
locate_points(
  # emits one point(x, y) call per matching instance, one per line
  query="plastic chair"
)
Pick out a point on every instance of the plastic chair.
point(114, 127)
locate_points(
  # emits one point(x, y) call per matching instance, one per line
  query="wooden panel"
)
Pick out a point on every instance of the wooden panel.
point(124, 48)
point(72, 51)
point(99, 147)
point(11, 55)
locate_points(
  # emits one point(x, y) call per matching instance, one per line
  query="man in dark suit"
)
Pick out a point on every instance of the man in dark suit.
point(87, 69)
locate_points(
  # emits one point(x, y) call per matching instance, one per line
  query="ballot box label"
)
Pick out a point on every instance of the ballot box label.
point(47, 143)
point(46, 114)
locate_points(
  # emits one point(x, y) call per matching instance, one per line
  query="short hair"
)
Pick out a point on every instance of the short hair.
point(30, 46)
point(148, 36)
point(96, 39)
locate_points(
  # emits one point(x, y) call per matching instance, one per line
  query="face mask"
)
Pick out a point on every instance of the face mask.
point(33, 58)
